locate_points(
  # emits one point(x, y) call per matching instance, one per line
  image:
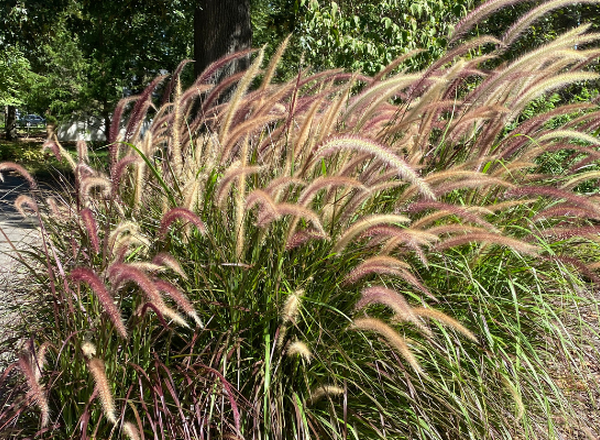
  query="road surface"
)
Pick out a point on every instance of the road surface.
point(14, 231)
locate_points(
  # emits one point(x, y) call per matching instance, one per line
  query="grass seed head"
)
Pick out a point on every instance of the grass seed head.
point(392, 337)
point(97, 368)
point(31, 366)
point(82, 274)
point(88, 349)
point(91, 227)
point(291, 307)
point(325, 391)
point(131, 431)
point(299, 348)
point(21, 201)
point(183, 214)
point(11, 166)
point(444, 319)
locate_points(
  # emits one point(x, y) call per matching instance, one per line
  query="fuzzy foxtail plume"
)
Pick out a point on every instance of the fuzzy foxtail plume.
point(91, 227)
point(444, 319)
point(181, 300)
point(183, 214)
point(11, 166)
point(120, 273)
point(393, 338)
point(24, 200)
point(501, 240)
point(477, 15)
point(380, 152)
point(167, 260)
point(239, 93)
point(392, 299)
point(131, 431)
point(364, 224)
point(325, 390)
point(97, 368)
point(82, 274)
point(30, 367)
point(526, 20)
point(299, 348)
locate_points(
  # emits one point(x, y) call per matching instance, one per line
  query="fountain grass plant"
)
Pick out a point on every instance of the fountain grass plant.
point(338, 256)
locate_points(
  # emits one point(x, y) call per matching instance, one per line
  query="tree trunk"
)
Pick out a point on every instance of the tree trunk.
point(11, 123)
point(107, 124)
point(221, 27)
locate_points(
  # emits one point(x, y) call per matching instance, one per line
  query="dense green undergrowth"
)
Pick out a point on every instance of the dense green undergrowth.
point(42, 164)
point(339, 256)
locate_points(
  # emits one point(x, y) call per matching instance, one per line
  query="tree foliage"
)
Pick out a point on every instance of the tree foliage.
point(359, 35)
point(367, 36)
point(15, 75)
point(89, 54)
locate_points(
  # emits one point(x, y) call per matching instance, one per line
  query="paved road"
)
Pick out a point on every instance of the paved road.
point(20, 232)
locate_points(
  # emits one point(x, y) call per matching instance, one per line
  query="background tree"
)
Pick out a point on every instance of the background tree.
point(126, 44)
point(86, 55)
point(15, 68)
point(15, 75)
point(358, 35)
point(90, 54)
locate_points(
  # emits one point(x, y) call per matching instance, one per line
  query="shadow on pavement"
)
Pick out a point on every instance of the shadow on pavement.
point(10, 189)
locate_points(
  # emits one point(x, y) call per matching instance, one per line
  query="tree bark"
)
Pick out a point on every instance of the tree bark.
point(11, 123)
point(221, 27)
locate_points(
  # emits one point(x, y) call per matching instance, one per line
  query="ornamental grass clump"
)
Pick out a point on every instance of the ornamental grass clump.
point(338, 256)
